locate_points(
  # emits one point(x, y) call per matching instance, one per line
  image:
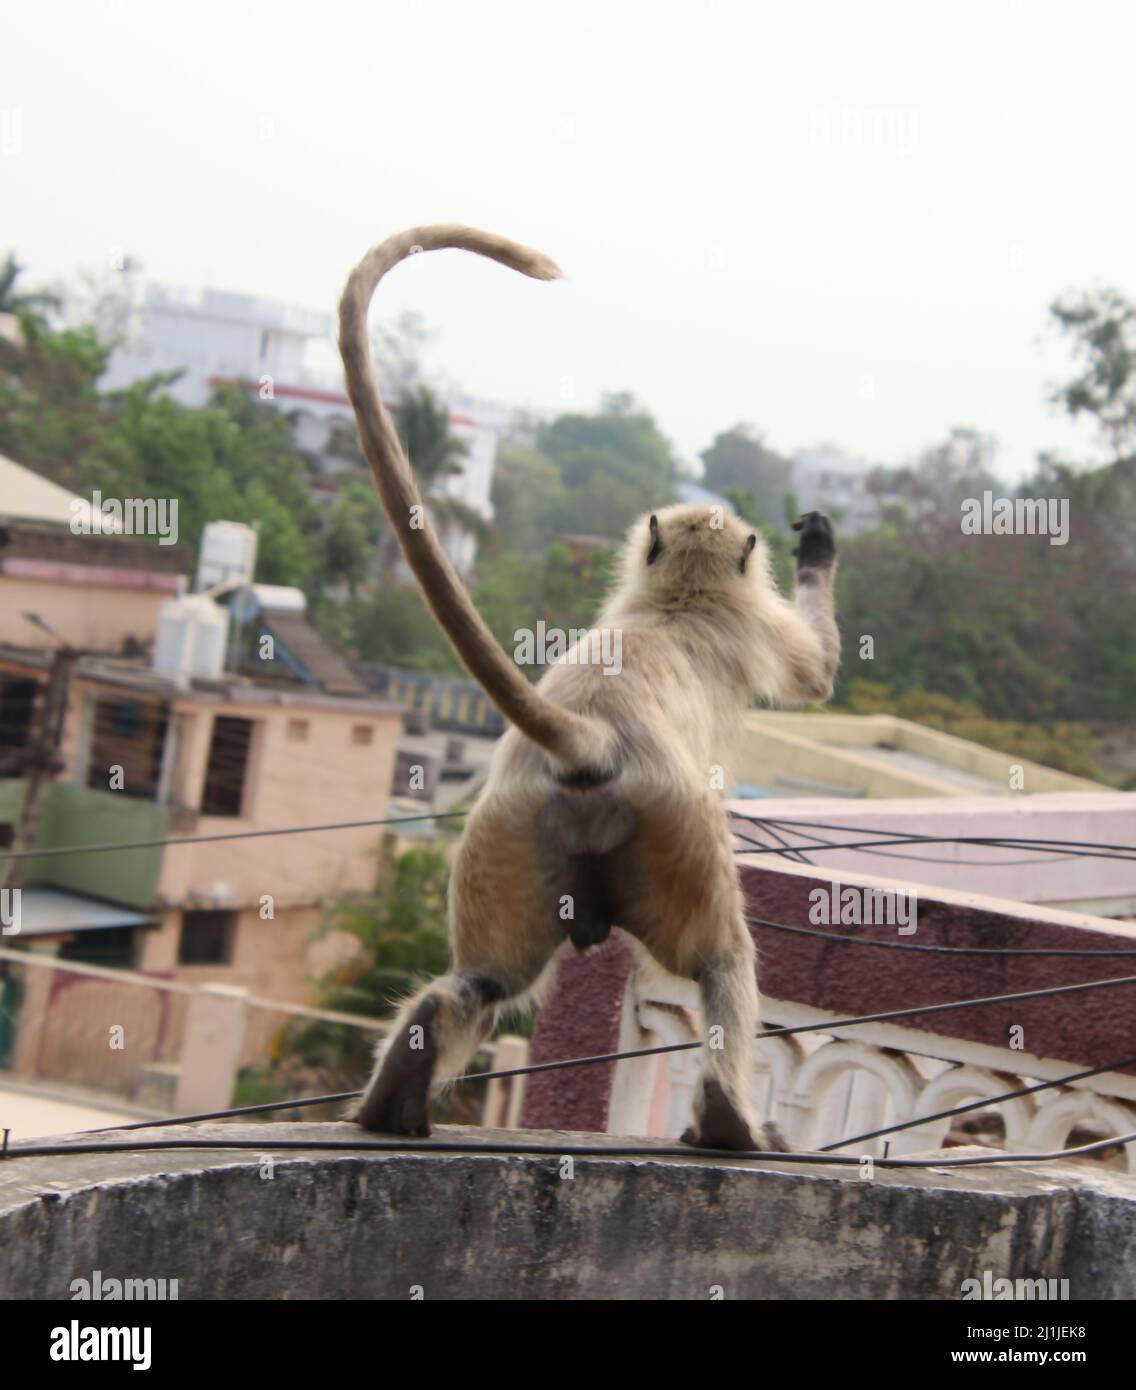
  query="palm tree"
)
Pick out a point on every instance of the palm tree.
point(435, 453)
point(424, 428)
point(36, 303)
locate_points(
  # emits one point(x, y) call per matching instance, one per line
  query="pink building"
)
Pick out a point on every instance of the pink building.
point(146, 754)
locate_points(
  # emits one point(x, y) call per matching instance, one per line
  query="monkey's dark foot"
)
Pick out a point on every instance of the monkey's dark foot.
point(771, 1140)
point(398, 1100)
point(817, 546)
point(775, 1141)
point(721, 1126)
point(589, 933)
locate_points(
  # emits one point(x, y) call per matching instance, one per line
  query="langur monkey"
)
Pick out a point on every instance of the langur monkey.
point(599, 808)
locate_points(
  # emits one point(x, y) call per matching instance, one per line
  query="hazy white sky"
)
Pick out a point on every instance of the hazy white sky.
point(840, 221)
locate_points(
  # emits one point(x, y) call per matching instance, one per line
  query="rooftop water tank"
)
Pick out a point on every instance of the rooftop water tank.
point(227, 554)
point(192, 635)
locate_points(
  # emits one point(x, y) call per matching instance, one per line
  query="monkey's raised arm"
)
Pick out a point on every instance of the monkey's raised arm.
point(815, 598)
point(805, 641)
point(569, 737)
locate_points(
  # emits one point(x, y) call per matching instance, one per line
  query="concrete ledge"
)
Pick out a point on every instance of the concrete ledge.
point(476, 1225)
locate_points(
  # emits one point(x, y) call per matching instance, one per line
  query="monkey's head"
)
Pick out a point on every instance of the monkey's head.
point(693, 553)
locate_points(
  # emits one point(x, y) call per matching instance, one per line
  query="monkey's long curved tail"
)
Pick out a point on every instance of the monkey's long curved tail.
point(570, 738)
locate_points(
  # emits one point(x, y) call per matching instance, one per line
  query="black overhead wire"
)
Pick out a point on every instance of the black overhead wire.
point(904, 945)
point(1085, 849)
point(790, 821)
point(895, 838)
point(1126, 854)
point(790, 851)
point(937, 950)
point(230, 835)
point(297, 1103)
point(984, 1104)
point(826, 1026)
point(820, 843)
point(492, 1146)
point(906, 837)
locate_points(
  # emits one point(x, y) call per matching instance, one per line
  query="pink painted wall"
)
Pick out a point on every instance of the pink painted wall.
point(93, 614)
point(326, 778)
point(277, 958)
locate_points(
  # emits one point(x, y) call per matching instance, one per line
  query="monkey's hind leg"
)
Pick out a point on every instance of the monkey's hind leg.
point(689, 914)
point(504, 931)
point(429, 1043)
point(723, 1114)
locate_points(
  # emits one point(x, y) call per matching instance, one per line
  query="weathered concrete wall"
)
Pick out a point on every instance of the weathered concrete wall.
point(476, 1225)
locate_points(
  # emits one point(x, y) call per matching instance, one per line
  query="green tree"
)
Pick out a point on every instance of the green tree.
point(400, 938)
point(232, 460)
point(504, 594)
point(392, 624)
point(573, 590)
point(401, 931)
point(52, 418)
point(349, 537)
point(1102, 325)
point(435, 454)
point(528, 492)
point(423, 425)
point(738, 460)
point(933, 486)
point(614, 464)
point(516, 592)
point(30, 304)
point(1025, 630)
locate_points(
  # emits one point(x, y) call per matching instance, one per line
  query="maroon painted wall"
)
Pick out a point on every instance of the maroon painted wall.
point(581, 1015)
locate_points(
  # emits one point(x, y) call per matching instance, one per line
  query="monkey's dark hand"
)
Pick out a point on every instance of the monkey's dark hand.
point(817, 548)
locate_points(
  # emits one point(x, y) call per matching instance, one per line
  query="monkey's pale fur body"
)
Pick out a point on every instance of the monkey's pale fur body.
point(603, 794)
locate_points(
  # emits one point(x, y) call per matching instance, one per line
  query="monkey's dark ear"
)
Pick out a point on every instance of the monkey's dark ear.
point(747, 551)
point(656, 543)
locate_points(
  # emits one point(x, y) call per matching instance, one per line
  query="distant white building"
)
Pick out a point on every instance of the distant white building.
point(825, 479)
point(285, 354)
point(694, 494)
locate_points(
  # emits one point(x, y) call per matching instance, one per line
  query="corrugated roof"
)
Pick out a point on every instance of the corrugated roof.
point(302, 642)
point(138, 676)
